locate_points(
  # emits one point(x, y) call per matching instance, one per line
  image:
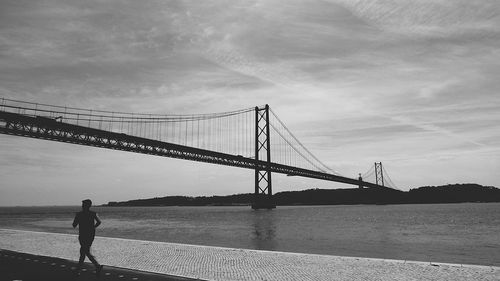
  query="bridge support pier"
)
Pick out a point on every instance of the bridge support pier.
point(263, 197)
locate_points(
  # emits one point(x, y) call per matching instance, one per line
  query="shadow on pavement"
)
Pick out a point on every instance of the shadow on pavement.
point(27, 267)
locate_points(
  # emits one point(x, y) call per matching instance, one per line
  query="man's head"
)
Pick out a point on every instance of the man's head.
point(86, 204)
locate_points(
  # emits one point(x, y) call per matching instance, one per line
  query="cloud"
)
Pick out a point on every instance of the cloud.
point(433, 90)
point(428, 17)
point(434, 128)
point(356, 81)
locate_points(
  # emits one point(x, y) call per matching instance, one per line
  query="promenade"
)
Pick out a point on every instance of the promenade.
point(26, 267)
point(215, 263)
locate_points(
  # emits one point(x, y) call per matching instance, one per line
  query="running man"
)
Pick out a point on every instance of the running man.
point(87, 222)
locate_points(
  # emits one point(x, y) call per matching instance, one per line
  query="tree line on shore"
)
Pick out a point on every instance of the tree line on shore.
point(452, 193)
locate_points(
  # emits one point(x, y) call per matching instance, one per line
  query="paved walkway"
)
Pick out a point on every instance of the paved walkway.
point(25, 267)
point(214, 263)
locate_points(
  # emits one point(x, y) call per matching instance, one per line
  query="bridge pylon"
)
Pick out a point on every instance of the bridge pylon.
point(379, 174)
point(263, 197)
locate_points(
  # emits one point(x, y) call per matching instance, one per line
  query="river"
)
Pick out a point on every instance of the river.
point(453, 233)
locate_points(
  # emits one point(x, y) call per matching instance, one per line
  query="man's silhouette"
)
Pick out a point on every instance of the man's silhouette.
point(87, 222)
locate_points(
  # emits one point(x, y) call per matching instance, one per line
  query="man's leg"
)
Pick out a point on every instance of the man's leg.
point(91, 257)
point(83, 251)
point(98, 267)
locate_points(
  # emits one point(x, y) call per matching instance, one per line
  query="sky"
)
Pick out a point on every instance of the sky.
point(412, 84)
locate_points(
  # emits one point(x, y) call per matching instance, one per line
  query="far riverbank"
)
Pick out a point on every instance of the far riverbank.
point(456, 193)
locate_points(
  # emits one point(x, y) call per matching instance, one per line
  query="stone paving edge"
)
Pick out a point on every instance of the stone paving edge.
point(491, 267)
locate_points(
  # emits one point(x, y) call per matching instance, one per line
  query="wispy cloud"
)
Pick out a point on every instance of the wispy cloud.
point(442, 17)
point(357, 81)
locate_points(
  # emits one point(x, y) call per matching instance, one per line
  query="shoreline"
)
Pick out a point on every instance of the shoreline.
point(451, 193)
point(106, 205)
point(269, 251)
point(219, 263)
point(415, 261)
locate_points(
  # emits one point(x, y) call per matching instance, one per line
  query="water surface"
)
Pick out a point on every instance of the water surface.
point(456, 233)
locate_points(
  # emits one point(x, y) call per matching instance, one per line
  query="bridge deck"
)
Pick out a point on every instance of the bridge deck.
point(51, 129)
point(213, 263)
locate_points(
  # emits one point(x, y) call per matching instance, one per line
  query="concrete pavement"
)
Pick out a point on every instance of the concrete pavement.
point(215, 263)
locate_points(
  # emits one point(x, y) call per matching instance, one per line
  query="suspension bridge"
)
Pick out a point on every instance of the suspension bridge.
point(252, 138)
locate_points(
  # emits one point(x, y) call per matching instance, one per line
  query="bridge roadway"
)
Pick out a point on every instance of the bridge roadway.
point(51, 129)
point(168, 261)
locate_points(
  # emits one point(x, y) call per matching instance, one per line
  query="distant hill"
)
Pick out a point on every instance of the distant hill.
point(237, 199)
point(453, 193)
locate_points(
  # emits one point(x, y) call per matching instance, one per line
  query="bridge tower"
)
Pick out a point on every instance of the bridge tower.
point(379, 174)
point(263, 197)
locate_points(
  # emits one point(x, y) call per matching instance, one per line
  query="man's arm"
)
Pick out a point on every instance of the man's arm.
point(75, 221)
point(97, 221)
